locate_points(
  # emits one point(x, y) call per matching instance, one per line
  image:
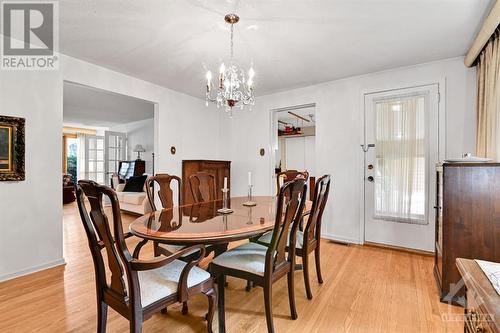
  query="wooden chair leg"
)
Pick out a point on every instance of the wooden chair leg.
point(269, 306)
point(185, 308)
point(136, 325)
point(305, 270)
point(212, 299)
point(221, 282)
point(291, 294)
point(318, 264)
point(102, 316)
point(249, 285)
point(155, 249)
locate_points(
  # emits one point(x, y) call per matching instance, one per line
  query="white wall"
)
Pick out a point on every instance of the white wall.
point(339, 122)
point(31, 211)
point(139, 132)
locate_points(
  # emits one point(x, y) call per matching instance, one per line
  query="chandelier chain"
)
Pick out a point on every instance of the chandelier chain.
point(232, 44)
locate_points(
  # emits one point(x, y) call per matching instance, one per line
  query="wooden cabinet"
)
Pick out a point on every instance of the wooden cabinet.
point(467, 220)
point(219, 169)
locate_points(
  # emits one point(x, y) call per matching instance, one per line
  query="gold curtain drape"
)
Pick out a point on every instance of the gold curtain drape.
point(488, 100)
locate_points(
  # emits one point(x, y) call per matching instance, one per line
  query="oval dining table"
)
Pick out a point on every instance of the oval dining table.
point(201, 223)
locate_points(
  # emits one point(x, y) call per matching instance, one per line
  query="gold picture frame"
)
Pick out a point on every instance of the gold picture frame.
point(12, 148)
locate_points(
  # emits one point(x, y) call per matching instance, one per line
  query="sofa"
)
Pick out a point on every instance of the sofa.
point(131, 202)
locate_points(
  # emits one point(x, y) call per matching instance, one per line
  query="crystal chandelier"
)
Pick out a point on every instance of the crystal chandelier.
point(233, 87)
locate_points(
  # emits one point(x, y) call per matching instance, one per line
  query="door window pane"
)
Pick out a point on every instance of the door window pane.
point(400, 164)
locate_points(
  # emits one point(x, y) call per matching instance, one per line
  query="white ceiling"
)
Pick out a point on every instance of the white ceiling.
point(95, 107)
point(292, 43)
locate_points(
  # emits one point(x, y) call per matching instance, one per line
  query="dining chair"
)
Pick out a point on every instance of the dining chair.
point(308, 240)
point(165, 193)
point(202, 185)
point(135, 288)
point(264, 265)
point(288, 175)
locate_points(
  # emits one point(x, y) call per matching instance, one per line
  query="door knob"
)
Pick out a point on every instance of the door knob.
point(370, 179)
point(370, 166)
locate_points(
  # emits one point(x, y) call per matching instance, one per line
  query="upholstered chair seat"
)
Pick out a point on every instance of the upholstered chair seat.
point(159, 283)
point(249, 257)
point(266, 239)
point(175, 248)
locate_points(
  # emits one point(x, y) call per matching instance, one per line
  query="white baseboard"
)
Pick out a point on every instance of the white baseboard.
point(340, 239)
point(33, 269)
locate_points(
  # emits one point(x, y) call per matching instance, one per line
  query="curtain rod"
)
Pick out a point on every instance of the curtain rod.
point(489, 27)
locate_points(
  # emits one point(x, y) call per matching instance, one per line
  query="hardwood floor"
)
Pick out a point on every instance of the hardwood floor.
point(366, 289)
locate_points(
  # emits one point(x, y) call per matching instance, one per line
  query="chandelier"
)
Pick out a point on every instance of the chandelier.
point(233, 89)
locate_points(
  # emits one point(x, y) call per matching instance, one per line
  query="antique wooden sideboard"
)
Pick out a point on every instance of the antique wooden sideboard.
point(467, 221)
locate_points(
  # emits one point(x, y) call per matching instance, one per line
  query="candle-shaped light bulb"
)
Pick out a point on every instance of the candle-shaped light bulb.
point(209, 80)
point(251, 73)
point(225, 183)
point(249, 178)
point(222, 70)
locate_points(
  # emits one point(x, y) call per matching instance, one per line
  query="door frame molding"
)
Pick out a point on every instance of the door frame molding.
point(441, 83)
point(273, 130)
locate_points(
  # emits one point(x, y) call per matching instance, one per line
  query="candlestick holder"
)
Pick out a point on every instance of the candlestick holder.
point(225, 209)
point(249, 202)
point(250, 216)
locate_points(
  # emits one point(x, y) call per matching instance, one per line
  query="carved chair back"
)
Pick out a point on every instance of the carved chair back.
point(288, 175)
point(313, 227)
point(102, 237)
point(291, 200)
point(165, 192)
point(202, 185)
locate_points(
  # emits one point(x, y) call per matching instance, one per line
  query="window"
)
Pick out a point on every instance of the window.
point(400, 182)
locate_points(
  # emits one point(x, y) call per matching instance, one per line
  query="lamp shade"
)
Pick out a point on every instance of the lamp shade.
point(139, 148)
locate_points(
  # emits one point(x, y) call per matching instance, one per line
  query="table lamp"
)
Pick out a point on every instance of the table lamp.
point(139, 149)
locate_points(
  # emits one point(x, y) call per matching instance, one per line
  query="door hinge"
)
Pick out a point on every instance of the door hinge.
point(439, 97)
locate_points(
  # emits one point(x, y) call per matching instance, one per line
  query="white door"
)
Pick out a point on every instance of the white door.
point(94, 158)
point(310, 155)
point(301, 154)
point(401, 126)
point(295, 153)
point(115, 151)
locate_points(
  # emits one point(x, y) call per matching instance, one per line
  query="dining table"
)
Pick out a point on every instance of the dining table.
point(202, 223)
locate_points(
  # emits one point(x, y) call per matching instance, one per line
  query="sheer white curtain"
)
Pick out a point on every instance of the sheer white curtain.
point(400, 159)
point(81, 163)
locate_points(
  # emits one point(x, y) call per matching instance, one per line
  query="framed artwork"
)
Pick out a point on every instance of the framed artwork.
point(11, 148)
